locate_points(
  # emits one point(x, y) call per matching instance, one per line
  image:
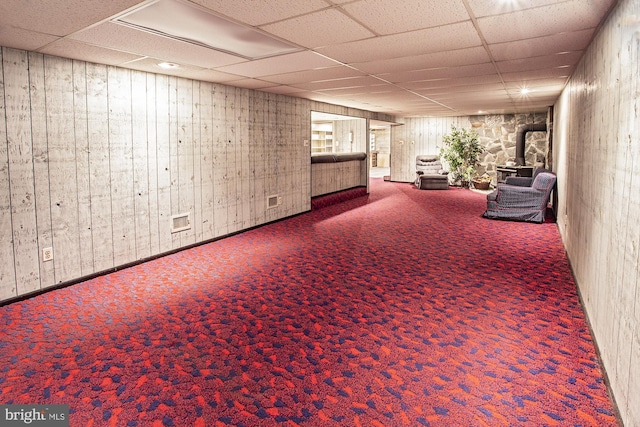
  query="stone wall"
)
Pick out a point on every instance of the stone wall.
point(498, 137)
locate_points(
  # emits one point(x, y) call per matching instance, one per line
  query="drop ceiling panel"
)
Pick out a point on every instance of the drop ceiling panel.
point(441, 73)
point(23, 39)
point(445, 83)
point(350, 82)
point(539, 62)
point(68, 48)
point(262, 12)
point(452, 58)
point(299, 61)
point(59, 18)
point(305, 76)
point(398, 16)
point(447, 37)
point(459, 90)
point(323, 28)
point(536, 74)
point(555, 43)
point(482, 8)
point(537, 22)
point(118, 37)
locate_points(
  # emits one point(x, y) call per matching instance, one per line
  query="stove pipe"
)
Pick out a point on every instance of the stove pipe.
point(521, 136)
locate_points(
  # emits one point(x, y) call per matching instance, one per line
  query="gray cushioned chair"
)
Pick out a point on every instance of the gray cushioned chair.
point(524, 181)
point(429, 173)
point(518, 203)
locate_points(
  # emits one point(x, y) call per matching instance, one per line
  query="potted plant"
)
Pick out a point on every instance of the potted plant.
point(461, 151)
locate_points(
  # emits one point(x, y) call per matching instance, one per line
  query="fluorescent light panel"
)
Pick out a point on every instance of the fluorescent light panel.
point(190, 23)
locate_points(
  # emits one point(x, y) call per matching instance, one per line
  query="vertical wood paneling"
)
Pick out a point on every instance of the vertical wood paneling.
point(140, 164)
point(244, 163)
point(185, 153)
point(99, 166)
point(197, 162)
point(41, 166)
point(152, 163)
point(83, 177)
point(221, 224)
point(231, 154)
point(62, 153)
point(121, 154)
point(206, 159)
point(20, 157)
point(164, 169)
point(258, 138)
point(174, 152)
point(7, 266)
point(596, 147)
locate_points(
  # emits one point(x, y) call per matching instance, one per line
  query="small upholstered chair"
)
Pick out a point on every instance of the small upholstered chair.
point(518, 203)
point(524, 181)
point(429, 173)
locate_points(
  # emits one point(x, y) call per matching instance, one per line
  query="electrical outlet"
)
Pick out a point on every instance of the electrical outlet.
point(47, 254)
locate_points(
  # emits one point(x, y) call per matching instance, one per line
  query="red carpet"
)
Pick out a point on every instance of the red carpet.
point(401, 308)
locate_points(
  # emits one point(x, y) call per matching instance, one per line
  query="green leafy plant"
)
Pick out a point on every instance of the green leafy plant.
point(461, 151)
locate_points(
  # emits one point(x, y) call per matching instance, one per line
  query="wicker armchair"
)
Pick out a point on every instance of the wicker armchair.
point(517, 203)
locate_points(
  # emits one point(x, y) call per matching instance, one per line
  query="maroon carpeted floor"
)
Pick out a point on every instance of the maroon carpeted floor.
point(401, 308)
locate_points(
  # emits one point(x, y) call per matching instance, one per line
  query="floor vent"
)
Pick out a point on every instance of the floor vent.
point(180, 222)
point(274, 201)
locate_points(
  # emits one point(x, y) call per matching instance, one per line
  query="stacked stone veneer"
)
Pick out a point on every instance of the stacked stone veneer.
point(498, 137)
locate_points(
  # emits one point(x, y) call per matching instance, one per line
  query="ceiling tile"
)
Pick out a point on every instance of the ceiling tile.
point(59, 18)
point(262, 12)
point(68, 48)
point(452, 58)
point(460, 81)
point(537, 22)
point(298, 61)
point(441, 73)
point(350, 82)
point(481, 8)
point(448, 37)
point(526, 76)
point(319, 29)
point(125, 39)
point(318, 74)
point(398, 16)
point(555, 43)
point(540, 62)
point(23, 39)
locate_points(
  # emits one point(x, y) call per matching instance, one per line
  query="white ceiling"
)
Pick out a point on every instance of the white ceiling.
point(401, 57)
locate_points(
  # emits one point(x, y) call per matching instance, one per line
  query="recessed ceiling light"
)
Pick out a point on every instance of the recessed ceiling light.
point(168, 65)
point(184, 21)
point(525, 91)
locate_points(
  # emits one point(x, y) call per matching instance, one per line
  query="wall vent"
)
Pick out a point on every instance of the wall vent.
point(274, 201)
point(180, 222)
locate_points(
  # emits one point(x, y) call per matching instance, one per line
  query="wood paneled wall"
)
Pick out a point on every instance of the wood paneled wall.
point(331, 177)
point(597, 157)
point(357, 128)
point(419, 135)
point(95, 159)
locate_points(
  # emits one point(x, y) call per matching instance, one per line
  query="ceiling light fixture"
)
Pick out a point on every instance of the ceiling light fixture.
point(187, 22)
point(168, 65)
point(525, 91)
